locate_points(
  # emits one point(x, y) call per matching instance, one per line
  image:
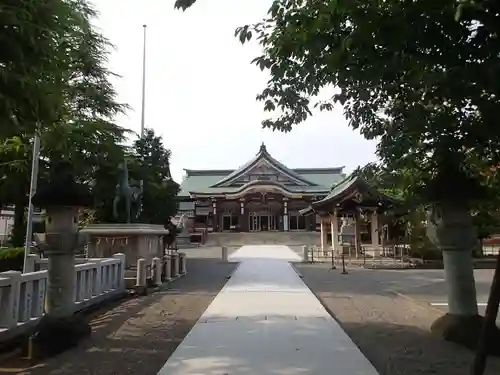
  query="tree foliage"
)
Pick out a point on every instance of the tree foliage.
point(152, 166)
point(397, 68)
point(54, 78)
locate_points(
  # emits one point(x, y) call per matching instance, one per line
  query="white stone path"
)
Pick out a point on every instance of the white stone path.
point(266, 321)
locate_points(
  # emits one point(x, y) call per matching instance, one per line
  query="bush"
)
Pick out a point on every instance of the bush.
point(11, 259)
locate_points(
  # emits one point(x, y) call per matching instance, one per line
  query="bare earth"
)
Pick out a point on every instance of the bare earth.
point(138, 335)
point(391, 330)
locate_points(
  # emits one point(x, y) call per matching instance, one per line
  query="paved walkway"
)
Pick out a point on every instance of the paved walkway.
point(266, 321)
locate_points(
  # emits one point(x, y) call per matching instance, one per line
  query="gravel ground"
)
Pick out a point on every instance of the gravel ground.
point(138, 335)
point(391, 330)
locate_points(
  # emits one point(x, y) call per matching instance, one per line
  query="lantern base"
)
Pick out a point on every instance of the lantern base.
point(55, 335)
point(465, 331)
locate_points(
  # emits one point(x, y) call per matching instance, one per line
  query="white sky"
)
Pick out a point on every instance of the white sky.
point(201, 88)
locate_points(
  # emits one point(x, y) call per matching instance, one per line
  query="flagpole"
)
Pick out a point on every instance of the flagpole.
point(143, 114)
point(143, 106)
point(31, 210)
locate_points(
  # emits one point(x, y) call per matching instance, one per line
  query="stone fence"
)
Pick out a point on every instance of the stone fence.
point(22, 296)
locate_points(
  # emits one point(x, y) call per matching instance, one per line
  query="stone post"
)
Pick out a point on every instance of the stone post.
point(61, 239)
point(9, 314)
point(167, 267)
point(374, 226)
point(141, 276)
point(31, 260)
point(175, 265)
point(305, 254)
point(224, 254)
point(183, 266)
point(157, 271)
point(121, 270)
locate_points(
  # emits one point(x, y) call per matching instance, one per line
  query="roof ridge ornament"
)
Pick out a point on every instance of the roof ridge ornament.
point(263, 148)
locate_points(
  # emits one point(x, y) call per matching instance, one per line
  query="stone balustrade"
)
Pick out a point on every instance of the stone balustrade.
point(22, 296)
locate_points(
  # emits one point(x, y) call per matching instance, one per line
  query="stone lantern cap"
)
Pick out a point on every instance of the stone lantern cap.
point(62, 190)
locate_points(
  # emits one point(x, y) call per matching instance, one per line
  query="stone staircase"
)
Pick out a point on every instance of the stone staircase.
point(264, 238)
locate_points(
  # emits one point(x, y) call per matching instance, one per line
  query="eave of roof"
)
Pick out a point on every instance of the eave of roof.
point(256, 183)
point(263, 154)
point(342, 189)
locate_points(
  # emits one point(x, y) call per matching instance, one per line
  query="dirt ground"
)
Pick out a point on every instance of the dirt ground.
point(391, 330)
point(137, 335)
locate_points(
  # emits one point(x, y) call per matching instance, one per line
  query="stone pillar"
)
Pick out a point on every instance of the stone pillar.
point(156, 268)
point(141, 276)
point(175, 265)
point(286, 227)
point(374, 226)
point(334, 227)
point(305, 254)
point(224, 255)
point(167, 266)
point(9, 313)
point(121, 270)
point(61, 237)
point(183, 264)
point(31, 260)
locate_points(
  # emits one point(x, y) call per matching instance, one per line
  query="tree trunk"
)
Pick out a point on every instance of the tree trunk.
point(450, 229)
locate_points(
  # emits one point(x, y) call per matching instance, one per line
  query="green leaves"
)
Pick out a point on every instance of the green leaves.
point(152, 165)
point(243, 33)
point(183, 4)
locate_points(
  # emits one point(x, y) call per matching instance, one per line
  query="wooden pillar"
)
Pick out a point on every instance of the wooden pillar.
point(357, 234)
point(243, 219)
point(334, 227)
point(216, 217)
point(324, 235)
point(286, 224)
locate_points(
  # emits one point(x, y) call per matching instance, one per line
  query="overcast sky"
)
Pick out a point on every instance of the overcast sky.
point(201, 88)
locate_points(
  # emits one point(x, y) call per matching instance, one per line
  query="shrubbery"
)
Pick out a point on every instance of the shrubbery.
point(11, 259)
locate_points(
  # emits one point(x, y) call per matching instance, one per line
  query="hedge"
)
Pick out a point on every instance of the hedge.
point(11, 259)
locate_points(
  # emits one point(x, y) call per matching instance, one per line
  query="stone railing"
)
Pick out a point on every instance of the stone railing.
point(22, 296)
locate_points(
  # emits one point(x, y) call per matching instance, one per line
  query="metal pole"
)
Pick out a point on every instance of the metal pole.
point(344, 272)
point(31, 209)
point(143, 114)
point(143, 104)
point(333, 258)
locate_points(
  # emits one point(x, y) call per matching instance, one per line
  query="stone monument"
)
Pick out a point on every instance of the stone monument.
point(129, 196)
point(347, 233)
point(62, 198)
point(135, 240)
point(183, 237)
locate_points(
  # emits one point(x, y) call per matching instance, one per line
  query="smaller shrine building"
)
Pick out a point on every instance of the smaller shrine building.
point(261, 195)
point(350, 204)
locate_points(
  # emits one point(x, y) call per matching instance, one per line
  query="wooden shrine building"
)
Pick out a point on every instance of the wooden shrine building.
point(347, 202)
point(262, 195)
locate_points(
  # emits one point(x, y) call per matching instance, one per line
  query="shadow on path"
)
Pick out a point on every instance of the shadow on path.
point(137, 335)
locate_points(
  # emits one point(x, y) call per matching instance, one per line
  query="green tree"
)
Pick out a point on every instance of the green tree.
point(398, 69)
point(152, 166)
point(76, 124)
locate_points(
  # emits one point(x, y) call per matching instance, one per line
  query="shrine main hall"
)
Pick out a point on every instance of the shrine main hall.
point(261, 195)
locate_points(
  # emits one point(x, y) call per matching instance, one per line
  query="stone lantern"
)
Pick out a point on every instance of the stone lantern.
point(62, 199)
